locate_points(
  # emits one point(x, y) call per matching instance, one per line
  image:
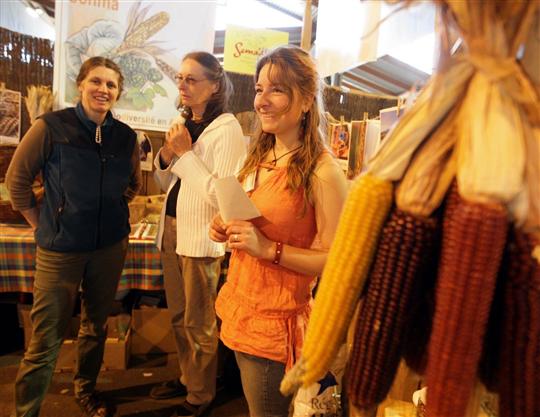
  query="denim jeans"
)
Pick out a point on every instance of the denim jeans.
point(260, 380)
point(58, 278)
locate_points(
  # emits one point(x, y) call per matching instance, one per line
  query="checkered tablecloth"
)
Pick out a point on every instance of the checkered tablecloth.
point(142, 269)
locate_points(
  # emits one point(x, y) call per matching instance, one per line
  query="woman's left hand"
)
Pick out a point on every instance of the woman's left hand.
point(178, 139)
point(243, 235)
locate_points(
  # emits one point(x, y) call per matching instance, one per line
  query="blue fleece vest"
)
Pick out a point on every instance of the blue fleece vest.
point(84, 207)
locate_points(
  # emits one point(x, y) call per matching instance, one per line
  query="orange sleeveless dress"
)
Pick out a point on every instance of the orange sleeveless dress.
point(264, 307)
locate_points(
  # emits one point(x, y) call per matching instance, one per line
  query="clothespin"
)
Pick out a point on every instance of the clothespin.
point(366, 116)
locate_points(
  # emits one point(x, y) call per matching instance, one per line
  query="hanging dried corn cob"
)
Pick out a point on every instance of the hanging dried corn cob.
point(406, 247)
point(414, 349)
point(520, 359)
point(474, 235)
point(348, 262)
point(488, 366)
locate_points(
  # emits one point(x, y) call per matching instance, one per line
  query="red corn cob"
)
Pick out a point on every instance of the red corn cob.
point(406, 247)
point(473, 241)
point(520, 351)
point(420, 321)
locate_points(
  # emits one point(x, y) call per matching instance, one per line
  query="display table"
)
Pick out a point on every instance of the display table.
point(142, 268)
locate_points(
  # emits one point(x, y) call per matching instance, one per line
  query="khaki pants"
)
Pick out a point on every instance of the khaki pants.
point(59, 275)
point(190, 287)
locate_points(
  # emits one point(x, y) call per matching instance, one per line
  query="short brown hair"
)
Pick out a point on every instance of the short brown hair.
point(99, 61)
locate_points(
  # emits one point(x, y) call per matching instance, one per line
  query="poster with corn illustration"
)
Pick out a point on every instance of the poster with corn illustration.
point(146, 39)
point(438, 244)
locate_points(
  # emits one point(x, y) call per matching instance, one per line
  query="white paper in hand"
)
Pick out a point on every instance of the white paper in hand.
point(233, 202)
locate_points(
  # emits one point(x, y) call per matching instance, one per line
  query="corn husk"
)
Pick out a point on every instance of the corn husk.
point(431, 107)
point(39, 100)
point(430, 173)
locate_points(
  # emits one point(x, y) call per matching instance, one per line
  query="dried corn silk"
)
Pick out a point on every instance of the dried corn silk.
point(417, 124)
point(491, 148)
point(520, 359)
point(404, 251)
point(430, 173)
point(349, 260)
point(473, 240)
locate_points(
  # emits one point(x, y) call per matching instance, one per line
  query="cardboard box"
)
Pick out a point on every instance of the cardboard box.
point(117, 352)
point(151, 331)
point(67, 358)
point(117, 347)
point(118, 343)
point(23, 310)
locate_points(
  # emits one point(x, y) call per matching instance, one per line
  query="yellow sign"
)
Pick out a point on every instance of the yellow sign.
point(243, 47)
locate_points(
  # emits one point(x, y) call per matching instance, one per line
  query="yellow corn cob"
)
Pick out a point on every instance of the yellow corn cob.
point(145, 30)
point(344, 275)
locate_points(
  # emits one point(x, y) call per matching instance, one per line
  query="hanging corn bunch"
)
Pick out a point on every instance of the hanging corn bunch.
point(477, 120)
point(401, 270)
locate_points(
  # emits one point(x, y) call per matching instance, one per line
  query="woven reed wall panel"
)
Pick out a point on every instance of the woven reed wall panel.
point(25, 60)
point(349, 105)
point(353, 105)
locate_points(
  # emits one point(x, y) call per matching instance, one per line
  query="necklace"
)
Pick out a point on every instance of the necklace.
point(98, 134)
point(274, 161)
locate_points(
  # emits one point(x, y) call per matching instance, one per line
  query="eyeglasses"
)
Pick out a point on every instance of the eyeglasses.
point(190, 81)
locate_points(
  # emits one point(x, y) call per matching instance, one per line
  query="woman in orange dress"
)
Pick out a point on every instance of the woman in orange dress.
point(299, 189)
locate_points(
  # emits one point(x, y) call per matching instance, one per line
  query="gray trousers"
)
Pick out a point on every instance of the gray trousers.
point(57, 280)
point(260, 380)
point(190, 288)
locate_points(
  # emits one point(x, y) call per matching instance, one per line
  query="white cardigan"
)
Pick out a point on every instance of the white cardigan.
point(219, 152)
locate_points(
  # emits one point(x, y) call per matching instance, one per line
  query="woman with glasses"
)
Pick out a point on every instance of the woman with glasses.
point(208, 146)
point(299, 189)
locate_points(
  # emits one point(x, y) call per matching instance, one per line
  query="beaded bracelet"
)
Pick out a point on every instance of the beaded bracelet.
point(277, 255)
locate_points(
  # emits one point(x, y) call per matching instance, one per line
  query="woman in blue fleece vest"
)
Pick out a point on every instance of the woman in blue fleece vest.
point(90, 167)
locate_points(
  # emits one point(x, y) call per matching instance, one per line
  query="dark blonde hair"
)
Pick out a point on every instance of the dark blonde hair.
point(213, 70)
point(99, 61)
point(293, 69)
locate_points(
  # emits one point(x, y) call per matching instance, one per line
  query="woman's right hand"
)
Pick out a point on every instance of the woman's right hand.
point(217, 229)
point(166, 155)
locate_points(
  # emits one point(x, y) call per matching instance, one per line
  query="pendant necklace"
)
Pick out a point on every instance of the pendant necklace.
point(274, 161)
point(98, 134)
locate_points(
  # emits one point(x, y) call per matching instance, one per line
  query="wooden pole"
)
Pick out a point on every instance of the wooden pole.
point(305, 42)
